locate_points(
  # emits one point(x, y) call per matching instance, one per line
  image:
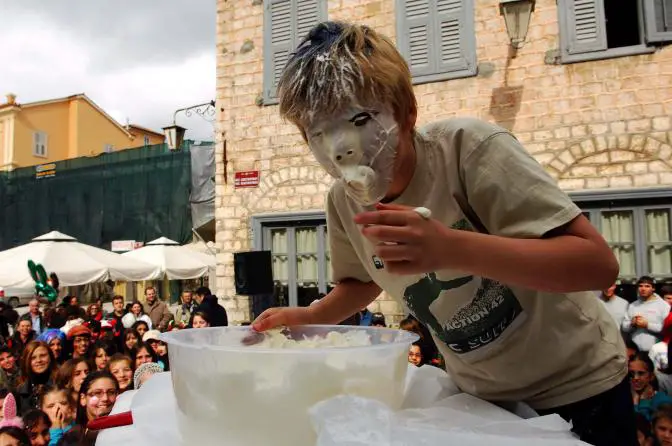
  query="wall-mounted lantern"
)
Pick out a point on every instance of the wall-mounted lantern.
point(517, 15)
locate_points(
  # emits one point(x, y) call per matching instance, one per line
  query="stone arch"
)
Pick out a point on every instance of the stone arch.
point(639, 146)
point(613, 162)
point(288, 183)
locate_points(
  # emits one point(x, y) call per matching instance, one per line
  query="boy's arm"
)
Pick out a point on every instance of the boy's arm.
point(536, 236)
point(347, 298)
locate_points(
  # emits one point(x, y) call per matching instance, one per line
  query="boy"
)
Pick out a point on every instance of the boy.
point(465, 228)
point(645, 317)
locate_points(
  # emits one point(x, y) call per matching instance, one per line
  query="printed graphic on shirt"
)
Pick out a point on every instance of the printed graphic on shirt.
point(492, 310)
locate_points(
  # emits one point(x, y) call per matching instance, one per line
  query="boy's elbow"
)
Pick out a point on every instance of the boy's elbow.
point(607, 272)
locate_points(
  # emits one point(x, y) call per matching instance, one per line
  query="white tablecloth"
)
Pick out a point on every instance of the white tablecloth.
point(434, 413)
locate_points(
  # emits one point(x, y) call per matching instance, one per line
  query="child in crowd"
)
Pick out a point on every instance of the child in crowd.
point(58, 405)
point(465, 228)
point(662, 426)
point(14, 436)
point(121, 366)
point(37, 425)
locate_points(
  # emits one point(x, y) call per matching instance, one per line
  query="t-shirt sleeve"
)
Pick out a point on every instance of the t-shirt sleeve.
point(510, 192)
point(345, 262)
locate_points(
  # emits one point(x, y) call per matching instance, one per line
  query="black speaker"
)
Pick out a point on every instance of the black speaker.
point(254, 272)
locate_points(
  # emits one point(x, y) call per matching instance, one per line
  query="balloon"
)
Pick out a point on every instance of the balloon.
point(42, 287)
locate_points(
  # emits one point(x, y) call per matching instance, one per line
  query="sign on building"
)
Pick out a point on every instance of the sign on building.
point(246, 179)
point(45, 170)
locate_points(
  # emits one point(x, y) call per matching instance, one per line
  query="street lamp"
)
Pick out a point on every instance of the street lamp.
point(175, 133)
point(517, 15)
point(174, 136)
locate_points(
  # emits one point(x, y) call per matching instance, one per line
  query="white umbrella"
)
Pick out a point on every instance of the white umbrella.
point(175, 261)
point(75, 263)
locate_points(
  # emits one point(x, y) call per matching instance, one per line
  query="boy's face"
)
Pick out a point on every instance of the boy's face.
point(359, 147)
point(668, 298)
point(645, 290)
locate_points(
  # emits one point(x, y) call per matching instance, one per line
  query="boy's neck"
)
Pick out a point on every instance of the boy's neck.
point(404, 168)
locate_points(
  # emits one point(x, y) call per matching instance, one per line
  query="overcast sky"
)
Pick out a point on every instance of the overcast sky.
point(139, 60)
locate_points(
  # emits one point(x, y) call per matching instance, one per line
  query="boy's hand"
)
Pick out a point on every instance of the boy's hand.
point(277, 317)
point(405, 241)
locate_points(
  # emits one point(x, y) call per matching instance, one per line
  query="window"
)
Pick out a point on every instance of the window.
point(40, 144)
point(437, 38)
point(109, 148)
point(300, 253)
point(598, 29)
point(640, 237)
point(146, 142)
point(286, 23)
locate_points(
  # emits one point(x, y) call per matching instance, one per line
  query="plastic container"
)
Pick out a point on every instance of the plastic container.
point(237, 395)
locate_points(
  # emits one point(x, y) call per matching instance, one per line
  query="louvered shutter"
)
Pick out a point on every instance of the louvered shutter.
point(452, 50)
point(658, 15)
point(585, 26)
point(415, 36)
point(308, 14)
point(278, 42)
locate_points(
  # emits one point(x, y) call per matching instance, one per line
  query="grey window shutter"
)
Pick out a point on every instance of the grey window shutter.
point(414, 35)
point(278, 42)
point(308, 14)
point(585, 26)
point(658, 15)
point(454, 45)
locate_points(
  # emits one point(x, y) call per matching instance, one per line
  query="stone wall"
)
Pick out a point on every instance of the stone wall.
point(593, 125)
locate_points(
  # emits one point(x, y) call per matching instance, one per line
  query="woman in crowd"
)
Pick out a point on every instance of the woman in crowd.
point(200, 319)
point(137, 313)
point(645, 396)
point(97, 396)
point(121, 367)
point(100, 354)
point(55, 339)
point(152, 338)
point(143, 353)
point(141, 327)
point(71, 375)
point(94, 312)
point(429, 349)
point(38, 368)
point(131, 339)
point(80, 337)
point(23, 334)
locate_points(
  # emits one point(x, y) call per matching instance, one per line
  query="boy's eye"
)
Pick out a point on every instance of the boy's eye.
point(361, 119)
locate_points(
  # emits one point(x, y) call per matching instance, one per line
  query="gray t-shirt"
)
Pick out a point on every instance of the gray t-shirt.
point(501, 342)
point(616, 306)
point(654, 310)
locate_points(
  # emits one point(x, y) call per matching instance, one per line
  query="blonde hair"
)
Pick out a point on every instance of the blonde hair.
point(339, 64)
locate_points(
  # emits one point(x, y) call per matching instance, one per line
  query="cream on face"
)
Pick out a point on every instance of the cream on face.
point(358, 147)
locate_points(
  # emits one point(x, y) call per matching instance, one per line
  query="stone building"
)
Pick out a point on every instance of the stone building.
point(589, 94)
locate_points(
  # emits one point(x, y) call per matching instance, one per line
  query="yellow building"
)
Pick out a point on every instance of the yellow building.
point(42, 132)
point(144, 136)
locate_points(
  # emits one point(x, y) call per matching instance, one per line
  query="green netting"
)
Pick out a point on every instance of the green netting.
point(137, 194)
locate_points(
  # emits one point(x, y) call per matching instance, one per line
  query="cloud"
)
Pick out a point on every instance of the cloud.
point(143, 75)
point(126, 33)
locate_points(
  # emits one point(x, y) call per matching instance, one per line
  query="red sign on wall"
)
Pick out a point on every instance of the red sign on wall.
point(246, 179)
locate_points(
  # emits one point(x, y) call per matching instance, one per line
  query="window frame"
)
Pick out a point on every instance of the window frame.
point(262, 225)
point(636, 201)
point(470, 43)
point(43, 138)
point(609, 53)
